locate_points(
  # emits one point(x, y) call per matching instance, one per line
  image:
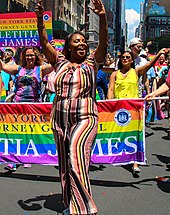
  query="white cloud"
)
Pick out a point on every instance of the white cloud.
point(132, 19)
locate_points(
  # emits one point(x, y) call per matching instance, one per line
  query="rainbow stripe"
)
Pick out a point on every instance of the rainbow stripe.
point(20, 29)
point(121, 126)
point(26, 136)
point(151, 56)
point(59, 44)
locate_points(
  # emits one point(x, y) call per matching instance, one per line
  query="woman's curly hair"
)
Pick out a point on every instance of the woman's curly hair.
point(38, 57)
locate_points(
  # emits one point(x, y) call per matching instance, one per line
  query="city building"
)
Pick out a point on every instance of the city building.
point(71, 15)
point(117, 28)
point(164, 3)
point(154, 23)
point(67, 14)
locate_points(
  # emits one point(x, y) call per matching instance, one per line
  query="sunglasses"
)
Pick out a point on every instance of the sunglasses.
point(139, 47)
point(125, 57)
point(7, 52)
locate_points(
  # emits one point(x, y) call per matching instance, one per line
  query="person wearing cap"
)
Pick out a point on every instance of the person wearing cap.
point(27, 82)
point(136, 46)
point(124, 82)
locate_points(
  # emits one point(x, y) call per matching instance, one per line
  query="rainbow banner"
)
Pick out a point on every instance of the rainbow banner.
point(20, 29)
point(26, 137)
point(59, 44)
point(120, 139)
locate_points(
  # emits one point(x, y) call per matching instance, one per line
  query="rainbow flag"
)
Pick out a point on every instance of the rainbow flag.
point(120, 139)
point(26, 136)
point(59, 44)
point(20, 29)
point(151, 56)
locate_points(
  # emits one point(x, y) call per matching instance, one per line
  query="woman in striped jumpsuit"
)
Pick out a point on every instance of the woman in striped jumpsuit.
point(74, 115)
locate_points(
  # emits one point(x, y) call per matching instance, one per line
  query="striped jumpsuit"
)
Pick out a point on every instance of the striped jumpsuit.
point(74, 119)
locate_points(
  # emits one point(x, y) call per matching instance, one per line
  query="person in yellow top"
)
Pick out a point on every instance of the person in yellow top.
point(126, 87)
point(124, 82)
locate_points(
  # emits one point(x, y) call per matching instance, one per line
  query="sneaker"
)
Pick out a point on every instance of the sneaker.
point(136, 170)
point(25, 165)
point(11, 167)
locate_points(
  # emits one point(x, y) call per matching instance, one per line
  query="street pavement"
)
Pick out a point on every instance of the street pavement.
point(116, 191)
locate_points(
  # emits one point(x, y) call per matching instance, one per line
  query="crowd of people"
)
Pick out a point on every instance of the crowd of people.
point(148, 82)
point(73, 81)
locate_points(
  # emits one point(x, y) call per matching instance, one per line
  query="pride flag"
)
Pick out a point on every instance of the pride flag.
point(151, 56)
point(20, 29)
point(26, 136)
point(59, 44)
point(120, 139)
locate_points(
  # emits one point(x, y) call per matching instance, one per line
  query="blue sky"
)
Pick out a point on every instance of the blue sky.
point(135, 4)
point(132, 16)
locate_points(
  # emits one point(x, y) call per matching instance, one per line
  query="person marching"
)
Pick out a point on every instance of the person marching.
point(74, 116)
point(124, 82)
point(27, 81)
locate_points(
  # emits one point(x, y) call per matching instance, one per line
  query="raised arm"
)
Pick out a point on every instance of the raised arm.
point(48, 50)
point(103, 30)
point(143, 69)
point(10, 69)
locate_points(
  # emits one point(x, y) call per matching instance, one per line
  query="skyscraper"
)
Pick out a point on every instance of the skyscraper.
point(116, 25)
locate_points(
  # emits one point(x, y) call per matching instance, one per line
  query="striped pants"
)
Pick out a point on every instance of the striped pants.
point(74, 142)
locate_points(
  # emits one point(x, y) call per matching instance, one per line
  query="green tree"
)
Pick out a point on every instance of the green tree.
point(164, 41)
point(158, 43)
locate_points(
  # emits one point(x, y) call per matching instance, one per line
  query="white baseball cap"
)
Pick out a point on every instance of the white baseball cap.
point(135, 41)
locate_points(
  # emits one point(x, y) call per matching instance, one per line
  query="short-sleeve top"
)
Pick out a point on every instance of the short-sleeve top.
point(28, 85)
point(126, 87)
point(75, 87)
